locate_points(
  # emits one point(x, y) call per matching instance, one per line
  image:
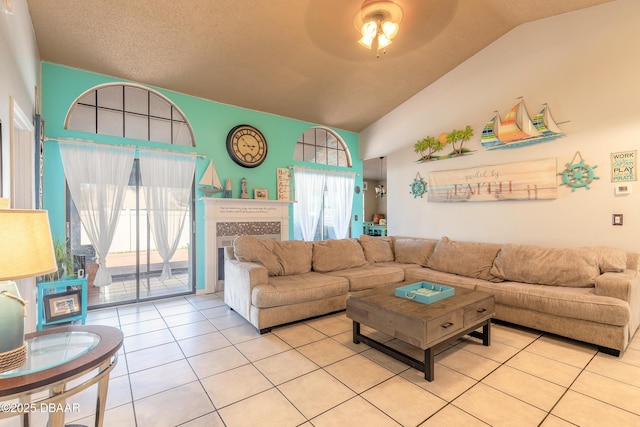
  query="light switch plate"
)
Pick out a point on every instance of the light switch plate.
point(616, 219)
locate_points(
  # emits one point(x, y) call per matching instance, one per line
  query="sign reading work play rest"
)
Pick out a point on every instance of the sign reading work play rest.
point(530, 180)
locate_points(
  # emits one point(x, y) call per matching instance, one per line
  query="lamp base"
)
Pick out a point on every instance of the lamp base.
point(13, 359)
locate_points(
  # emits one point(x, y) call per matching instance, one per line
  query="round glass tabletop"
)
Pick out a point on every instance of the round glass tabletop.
point(47, 351)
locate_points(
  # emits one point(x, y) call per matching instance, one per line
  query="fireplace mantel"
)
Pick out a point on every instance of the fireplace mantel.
point(225, 219)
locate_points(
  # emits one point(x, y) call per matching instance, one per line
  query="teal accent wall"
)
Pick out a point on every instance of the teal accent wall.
point(211, 121)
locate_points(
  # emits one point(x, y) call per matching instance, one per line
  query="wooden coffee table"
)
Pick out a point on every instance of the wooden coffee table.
point(421, 325)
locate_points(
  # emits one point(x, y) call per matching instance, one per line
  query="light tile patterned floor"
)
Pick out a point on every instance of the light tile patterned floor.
point(123, 288)
point(189, 361)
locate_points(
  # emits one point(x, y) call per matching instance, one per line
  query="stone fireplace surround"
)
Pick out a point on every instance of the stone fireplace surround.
point(225, 219)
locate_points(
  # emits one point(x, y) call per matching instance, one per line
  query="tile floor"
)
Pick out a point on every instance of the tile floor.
point(123, 288)
point(190, 361)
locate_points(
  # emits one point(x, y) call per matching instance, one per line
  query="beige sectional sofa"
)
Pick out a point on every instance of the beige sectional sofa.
point(590, 294)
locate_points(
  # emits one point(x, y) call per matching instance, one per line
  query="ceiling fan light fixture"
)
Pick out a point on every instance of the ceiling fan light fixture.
point(366, 42)
point(378, 22)
point(390, 29)
point(383, 41)
point(369, 31)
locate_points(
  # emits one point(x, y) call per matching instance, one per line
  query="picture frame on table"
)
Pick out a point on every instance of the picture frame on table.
point(260, 194)
point(62, 305)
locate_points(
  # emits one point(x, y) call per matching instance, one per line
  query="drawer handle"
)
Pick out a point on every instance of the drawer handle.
point(447, 325)
point(482, 310)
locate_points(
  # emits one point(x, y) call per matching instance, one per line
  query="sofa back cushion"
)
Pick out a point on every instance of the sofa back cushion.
point(377, 249)
point(413, 251)
point(281, 258)
point(574, 267)
point(610, 260)
point(465, 258)
point(332, 255)
point(294, 256)
point(252, 249)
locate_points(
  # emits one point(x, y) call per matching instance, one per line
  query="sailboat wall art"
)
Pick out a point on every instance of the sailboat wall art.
point(518, 129)
point(210, 183)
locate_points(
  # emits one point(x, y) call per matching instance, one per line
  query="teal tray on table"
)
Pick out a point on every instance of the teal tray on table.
point(425, 292)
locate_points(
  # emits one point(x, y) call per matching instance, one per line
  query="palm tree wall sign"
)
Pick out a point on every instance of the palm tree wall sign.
point(428, 146)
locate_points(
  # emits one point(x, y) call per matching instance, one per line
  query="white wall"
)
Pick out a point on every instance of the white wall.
point(19, 71)
point(19, 76)
point(586, 66)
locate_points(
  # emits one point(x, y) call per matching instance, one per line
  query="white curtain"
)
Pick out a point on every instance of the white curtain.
point(339, 202)
point(166, 180)
point(98, 178)
point(309, 189)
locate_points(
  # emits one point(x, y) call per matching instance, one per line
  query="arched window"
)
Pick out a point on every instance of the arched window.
point(322, 146)
point(324, 197)
point(129, 111)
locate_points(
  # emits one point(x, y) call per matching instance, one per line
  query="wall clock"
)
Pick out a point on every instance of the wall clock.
point(246, 146)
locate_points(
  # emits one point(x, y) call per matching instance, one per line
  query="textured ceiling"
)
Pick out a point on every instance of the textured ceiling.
point(295, 58)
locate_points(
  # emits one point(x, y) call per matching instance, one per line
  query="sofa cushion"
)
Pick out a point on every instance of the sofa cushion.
point(294, 256)
point(369, 276)
point(377, 249)
point(574, 267)
point(252, 249)
point(633, 261)
point(279, 257)
point(611, 260)
point(576, 303)
point(401, 265)
point(413, 251)
point(331, 255)
point(465, 258)
point(299, 288)
point(415, 275)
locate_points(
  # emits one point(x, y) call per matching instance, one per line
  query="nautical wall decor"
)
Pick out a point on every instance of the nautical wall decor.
point(210, 181)
point(517, 129)
point(578, 175)
point(428, 146)
point(623, 166)
point(530, 180)
point(282, 183)
point(418, 186)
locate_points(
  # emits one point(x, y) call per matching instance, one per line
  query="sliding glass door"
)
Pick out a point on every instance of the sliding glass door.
point(133, 260)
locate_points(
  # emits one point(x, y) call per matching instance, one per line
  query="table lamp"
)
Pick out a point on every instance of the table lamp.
point(26, 250)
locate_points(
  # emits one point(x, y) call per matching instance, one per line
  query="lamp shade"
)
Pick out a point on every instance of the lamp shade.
point(26, 248)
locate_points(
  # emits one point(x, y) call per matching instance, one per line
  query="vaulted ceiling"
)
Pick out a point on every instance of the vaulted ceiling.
point(295, 58)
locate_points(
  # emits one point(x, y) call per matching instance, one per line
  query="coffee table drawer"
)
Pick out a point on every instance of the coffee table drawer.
point(445, 325)
point(480, 310)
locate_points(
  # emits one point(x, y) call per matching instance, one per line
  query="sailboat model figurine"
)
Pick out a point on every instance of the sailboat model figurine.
point(210, 183)
point(517, 129)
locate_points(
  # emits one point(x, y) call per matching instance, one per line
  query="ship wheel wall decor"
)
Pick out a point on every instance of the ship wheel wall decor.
point(578, 175)
point(418, 186)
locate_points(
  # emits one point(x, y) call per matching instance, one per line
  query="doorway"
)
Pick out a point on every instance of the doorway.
point(374, 175)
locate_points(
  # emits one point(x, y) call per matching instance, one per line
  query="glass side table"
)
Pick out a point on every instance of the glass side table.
point(55, 357)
